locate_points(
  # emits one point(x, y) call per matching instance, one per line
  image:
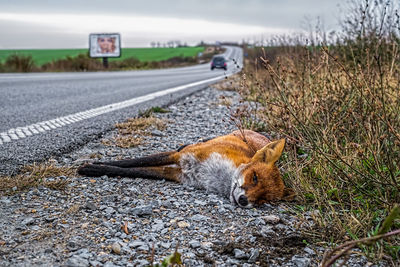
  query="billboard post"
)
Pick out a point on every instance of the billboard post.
point(105, 62)
point(104, 45)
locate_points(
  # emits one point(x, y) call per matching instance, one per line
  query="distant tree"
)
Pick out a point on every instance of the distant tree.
point(153, 44)
point(170, 44)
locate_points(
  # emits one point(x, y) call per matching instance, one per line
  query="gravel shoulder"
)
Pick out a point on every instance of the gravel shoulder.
point(84, 225)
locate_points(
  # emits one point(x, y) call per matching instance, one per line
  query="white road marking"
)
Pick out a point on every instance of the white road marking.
point(43, 126)
point(12, 135)
point(33, 129)
point(19, 133)
point(26, 131)
point(5, 137)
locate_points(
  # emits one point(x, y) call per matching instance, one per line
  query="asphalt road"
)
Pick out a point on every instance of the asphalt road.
point(45, 115)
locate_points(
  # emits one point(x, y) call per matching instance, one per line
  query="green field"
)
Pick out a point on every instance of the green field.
point(42, 56)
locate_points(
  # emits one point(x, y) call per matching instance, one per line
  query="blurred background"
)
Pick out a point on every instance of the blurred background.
point(67, 24)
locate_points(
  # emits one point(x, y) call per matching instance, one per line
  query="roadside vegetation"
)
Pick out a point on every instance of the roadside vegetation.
point(45, 174)
point(79, 60)
point(336, 99)
point(131, 133)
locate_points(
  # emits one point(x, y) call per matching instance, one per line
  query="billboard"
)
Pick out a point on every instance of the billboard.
point(105, 45)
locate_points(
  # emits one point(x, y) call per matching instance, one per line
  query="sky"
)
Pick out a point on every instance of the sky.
point(58, 24)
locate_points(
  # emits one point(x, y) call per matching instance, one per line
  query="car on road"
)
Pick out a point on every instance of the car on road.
point(219, 63)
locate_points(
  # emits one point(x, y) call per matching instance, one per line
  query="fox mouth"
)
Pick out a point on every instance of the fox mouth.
point(232, 196)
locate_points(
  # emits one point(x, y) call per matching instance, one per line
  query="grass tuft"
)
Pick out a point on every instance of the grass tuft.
point(140, 125)
point(131, 132)
point(128, 141)
point(149, 112)
point(44, 174)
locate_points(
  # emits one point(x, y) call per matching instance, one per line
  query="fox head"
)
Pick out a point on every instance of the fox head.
point(260, 180)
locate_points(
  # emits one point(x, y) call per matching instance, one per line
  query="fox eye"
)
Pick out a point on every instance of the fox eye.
point(255, 179)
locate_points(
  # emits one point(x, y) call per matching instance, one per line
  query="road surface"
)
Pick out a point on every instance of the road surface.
point(48, 114)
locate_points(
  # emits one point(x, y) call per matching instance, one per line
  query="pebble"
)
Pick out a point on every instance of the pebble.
point(90, 206)
point(95, 263)
point(183, 224)
point(239, 254)
point(199, 217)
point(116, 248)
point(301, 261)
point(136, 244)
point(254, 254)
point(206, 245)
point(77, 261)
point(166, 245)
point(194, 244)
point(142, 210)
point(267, 231)
point(110, 264)
point(271, 219)
point(157, 227)
point(5, 201)
point(109, 211)
point(157, 133)
point(27, 221)
point(309, 251)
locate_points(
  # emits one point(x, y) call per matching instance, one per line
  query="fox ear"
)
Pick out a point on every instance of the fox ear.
point(270, 153)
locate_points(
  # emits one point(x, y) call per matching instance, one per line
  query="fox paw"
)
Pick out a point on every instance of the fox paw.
point(93, 170)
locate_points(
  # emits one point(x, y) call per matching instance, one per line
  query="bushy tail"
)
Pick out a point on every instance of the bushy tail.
point(150, 167)
point(159, 159)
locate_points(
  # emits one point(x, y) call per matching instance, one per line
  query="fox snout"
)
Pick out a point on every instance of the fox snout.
point(243, 201)
point(238, 195)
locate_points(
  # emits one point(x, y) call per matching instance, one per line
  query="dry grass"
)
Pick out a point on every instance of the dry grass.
point(225, 101)
point(339, 109)
point(95, 156)
point(36, 175)
point(229, 84)
point(131, 133)
point(73, 209)
point(123, 141)
point(128, 141)
point(140, 125)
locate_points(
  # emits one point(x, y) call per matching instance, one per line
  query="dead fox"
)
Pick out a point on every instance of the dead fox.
point(240, 166)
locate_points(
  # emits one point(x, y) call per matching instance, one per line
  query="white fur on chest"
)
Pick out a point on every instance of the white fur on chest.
point(215, 174)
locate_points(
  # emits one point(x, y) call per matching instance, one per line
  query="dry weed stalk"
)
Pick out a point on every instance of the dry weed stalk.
point(330, 257)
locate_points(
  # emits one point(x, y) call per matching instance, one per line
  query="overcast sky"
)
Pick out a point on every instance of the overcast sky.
point(67, 24)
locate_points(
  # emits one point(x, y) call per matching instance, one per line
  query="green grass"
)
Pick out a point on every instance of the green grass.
point(42, 56)
point(158, 54)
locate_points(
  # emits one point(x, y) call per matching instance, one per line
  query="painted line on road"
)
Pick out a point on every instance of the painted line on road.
point(44, 126)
